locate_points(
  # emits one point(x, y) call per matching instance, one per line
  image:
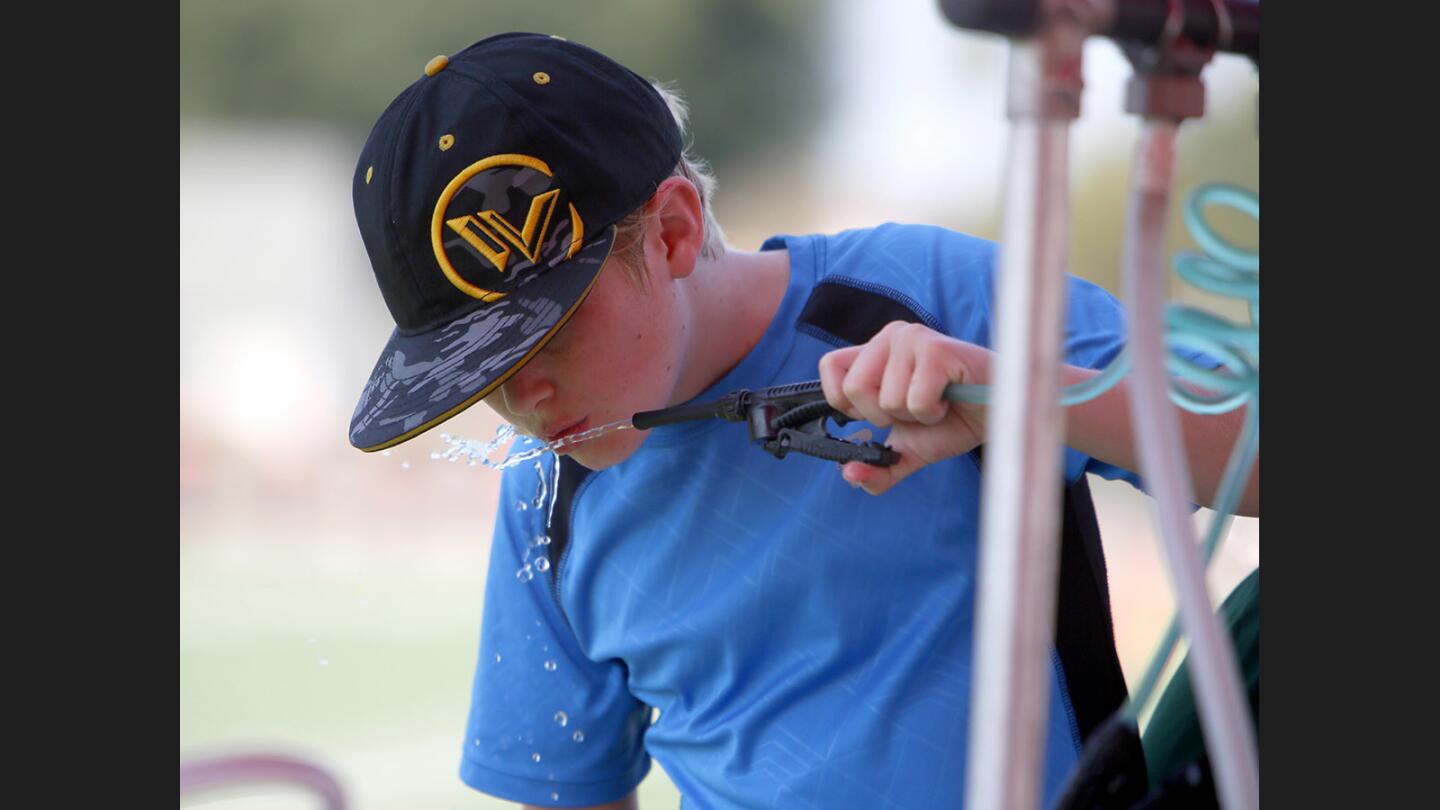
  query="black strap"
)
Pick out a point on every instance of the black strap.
point(572, 474)
point(1084, 634)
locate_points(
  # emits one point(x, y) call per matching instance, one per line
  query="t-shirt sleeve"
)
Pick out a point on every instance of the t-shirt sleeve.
point(547, 725)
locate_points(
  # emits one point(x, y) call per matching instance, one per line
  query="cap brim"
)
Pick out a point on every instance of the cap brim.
point(422, 380)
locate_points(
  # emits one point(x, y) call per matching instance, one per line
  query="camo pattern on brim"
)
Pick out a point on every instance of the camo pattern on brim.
point(422, 380)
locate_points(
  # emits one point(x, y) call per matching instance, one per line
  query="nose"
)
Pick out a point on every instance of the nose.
point(527, 389)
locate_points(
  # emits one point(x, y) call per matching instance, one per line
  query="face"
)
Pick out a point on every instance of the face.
point(620, 353)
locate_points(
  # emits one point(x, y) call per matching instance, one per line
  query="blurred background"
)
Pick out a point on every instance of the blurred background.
point(330, 600)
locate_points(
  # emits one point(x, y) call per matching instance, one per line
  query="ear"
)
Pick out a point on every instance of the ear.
point(676, 229)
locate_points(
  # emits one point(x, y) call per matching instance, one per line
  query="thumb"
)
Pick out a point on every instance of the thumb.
point(877, 480)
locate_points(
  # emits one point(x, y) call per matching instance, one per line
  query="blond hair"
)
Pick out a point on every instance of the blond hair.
point(629, 251)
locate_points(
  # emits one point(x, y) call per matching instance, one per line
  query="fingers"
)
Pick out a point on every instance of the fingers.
point(897, 376)
point(897, 380)
point(833, 368)
point(863, 381)
point(934, 369)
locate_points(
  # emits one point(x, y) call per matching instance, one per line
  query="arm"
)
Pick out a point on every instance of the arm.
point(897, 379)
point(627, 803)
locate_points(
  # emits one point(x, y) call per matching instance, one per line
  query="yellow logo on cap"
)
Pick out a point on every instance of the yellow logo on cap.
point(474, 228)
point(493, 236)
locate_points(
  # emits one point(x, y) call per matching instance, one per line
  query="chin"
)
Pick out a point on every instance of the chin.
point(608, 451)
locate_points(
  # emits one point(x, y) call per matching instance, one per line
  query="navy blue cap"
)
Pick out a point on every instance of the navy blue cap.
point(487, 195)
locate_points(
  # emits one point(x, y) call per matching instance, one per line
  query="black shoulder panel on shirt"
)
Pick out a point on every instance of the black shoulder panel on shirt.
point(851, 314)
point(572, 474)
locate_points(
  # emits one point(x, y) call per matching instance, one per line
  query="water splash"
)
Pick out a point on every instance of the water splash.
point(479, 451)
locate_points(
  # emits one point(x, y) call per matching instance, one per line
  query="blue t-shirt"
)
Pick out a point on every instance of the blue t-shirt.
point(807, 645)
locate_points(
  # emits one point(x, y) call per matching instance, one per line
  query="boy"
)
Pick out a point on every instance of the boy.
point(545, 246)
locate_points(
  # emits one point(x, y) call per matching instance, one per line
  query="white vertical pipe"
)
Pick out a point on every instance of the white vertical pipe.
point(1224, 715)
point(1022, 479)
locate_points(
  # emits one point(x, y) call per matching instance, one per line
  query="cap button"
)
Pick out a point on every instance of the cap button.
point(436, 65)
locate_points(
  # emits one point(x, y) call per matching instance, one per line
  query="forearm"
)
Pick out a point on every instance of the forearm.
point(1101, 429)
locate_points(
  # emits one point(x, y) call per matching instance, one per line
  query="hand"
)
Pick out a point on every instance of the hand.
point(898, 379)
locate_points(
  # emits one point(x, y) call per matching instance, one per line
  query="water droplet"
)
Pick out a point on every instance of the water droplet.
point(539, 499)
point(542, 540)
point(562, 718)
point(542, 565)
point(385, 453)
point(404, 465)
point(578, 736)
point(445, 437)
point(453, 459)
point(525, 574)
point(549, 666)
point(554, 797)
point(310, 641)
point(521, 505)
point(477, 742)
point(497, 658)
point(434, 455)
point(535, 757)
point(324, 662)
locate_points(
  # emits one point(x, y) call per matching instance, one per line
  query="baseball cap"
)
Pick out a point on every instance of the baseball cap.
point(486, 196)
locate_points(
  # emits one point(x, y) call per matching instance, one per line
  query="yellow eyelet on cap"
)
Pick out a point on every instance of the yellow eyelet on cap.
point(369, 173)
point(541, 77)
point(446, 141)
point(436, 65)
